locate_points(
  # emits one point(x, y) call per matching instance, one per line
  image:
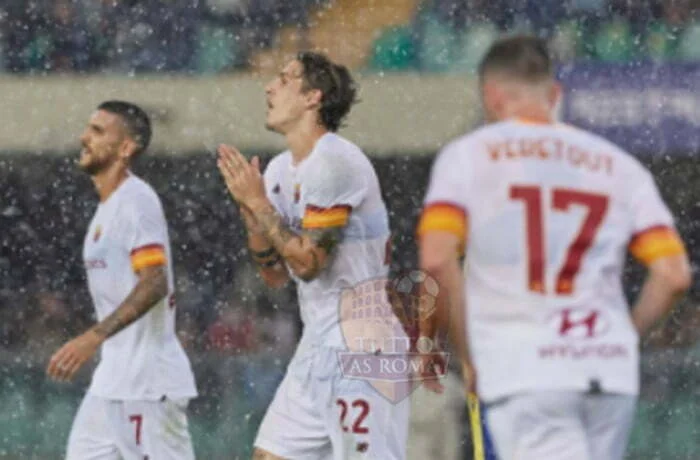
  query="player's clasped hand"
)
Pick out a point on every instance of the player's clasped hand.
point(68, 360)
point(243, 178)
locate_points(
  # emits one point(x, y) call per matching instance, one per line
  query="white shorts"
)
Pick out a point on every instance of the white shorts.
point(561, 425)
point(106, 429)
point(319, 414)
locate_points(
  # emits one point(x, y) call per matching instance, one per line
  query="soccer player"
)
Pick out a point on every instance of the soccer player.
point(136, 405)
point(546, 213)
point(317, 217)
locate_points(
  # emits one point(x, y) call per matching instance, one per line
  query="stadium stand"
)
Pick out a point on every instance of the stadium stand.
point(227, 35)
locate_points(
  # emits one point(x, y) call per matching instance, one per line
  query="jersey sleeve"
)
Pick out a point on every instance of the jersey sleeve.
point(145, 232)
point(653, 233)
point(445, 205)
point(330, 195)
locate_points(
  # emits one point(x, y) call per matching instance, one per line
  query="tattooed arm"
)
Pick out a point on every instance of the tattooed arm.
point(151, 288)
point(306, 254)
point(270, 264)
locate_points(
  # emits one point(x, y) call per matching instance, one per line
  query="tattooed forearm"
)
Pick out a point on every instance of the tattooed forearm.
point(151, 288)
point(311, 272)
point(305, 254)
point(274, 229)
point(326, 238)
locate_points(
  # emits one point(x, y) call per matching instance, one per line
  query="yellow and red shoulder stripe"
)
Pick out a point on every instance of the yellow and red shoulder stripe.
point(147, 256)
point(444, 216)
point(654, 243)
point(335, 216)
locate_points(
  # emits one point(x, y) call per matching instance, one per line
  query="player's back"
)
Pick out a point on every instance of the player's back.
point(551, 212)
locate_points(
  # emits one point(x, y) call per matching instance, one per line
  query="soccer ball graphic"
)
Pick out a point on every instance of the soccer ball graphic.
point(416, 291)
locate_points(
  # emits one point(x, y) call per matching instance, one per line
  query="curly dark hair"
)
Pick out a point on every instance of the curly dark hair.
point(338, 89)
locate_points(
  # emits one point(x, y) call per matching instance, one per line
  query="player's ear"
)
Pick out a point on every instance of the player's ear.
point(313, 98)
point(128, 149)
point(491, 98)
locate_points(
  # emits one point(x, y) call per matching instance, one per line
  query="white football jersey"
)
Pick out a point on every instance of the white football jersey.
point(547, 213)
point(145, 360)
point(335, 185)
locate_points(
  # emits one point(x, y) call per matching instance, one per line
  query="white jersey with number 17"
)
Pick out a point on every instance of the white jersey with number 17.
point(547, 213)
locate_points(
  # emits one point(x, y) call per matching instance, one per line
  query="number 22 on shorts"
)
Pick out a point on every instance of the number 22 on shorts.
point(360, 409)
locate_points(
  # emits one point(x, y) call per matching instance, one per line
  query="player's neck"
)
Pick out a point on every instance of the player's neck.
point(301, 141)
point(528, 112)
point(106, 182)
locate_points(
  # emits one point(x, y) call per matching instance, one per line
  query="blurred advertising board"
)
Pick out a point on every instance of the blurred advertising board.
point(397, 113)
point(647, 108)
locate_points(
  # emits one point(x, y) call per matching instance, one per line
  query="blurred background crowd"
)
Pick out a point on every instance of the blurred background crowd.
point(238, 333)
point(210, 36)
